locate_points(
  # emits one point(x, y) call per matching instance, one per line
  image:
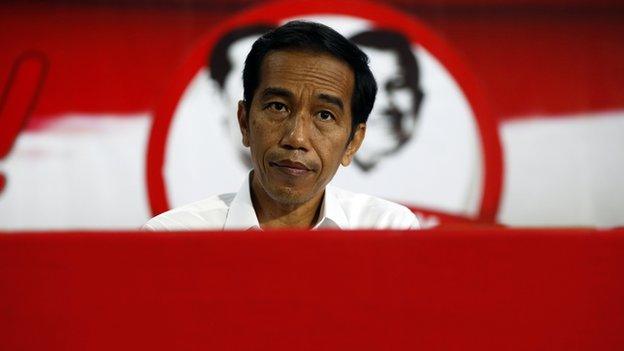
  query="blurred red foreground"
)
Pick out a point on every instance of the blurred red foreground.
point(488, 289)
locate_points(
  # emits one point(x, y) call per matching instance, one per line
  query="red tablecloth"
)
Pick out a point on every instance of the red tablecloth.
point(487, 289)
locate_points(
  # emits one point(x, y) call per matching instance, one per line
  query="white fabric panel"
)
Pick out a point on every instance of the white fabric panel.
point(83, 171)
point(564, 171)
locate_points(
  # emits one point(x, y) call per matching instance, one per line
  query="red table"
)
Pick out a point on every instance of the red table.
point(486, 289)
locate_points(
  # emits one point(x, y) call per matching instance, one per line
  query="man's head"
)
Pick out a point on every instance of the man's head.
point(393, 119)
point(314, 37)
point(308, 92)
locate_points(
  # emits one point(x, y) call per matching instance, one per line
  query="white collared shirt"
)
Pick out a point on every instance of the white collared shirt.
point(340, 209)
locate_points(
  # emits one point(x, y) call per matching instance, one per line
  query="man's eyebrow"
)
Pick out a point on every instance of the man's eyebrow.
point(274, 91)
point(332, 100)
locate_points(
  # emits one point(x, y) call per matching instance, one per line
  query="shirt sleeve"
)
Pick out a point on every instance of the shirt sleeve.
point(415, 224)
point(406, 219)
point(153, 225)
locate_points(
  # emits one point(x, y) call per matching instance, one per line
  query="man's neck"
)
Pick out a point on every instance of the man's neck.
point(272, 214)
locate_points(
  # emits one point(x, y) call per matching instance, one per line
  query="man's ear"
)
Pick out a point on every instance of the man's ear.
point(354, 144)
point(243, 122)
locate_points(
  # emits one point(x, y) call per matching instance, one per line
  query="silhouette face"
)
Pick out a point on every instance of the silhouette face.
point(233, 90)
point(298, 125)
point(393, 118)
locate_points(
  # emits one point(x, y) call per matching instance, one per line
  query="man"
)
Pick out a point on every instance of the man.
point(308, 92)
point(395, 114)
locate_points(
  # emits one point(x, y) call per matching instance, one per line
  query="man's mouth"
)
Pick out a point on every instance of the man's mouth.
point(292, 168)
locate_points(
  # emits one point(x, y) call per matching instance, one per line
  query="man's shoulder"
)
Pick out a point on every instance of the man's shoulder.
point(206, 214)
point(368, 211)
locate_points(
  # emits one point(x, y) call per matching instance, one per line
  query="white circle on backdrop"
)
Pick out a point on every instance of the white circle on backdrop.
point(439, 168)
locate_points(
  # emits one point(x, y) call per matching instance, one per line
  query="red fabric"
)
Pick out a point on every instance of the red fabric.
point(486, 289)
point(554, 60)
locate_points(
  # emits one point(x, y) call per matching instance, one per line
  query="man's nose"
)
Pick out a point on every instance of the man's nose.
point(296, 132)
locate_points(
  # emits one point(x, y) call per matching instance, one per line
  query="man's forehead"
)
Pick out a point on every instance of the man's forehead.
point(300, 68)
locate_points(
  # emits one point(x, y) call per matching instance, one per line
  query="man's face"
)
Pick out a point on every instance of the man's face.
point(299, 124)
point(392, 120)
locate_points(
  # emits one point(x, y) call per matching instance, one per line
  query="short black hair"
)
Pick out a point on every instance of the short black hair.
point(315, 37)
point(219, 63)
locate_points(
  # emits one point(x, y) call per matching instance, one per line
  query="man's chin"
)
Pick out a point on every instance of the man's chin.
point(290, 196)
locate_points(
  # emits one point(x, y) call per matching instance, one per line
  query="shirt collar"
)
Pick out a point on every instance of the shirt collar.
point(332, 215)
point(241, 214)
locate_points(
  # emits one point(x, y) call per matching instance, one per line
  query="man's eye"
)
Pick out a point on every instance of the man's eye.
point(325, 115)
point(276, 106)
